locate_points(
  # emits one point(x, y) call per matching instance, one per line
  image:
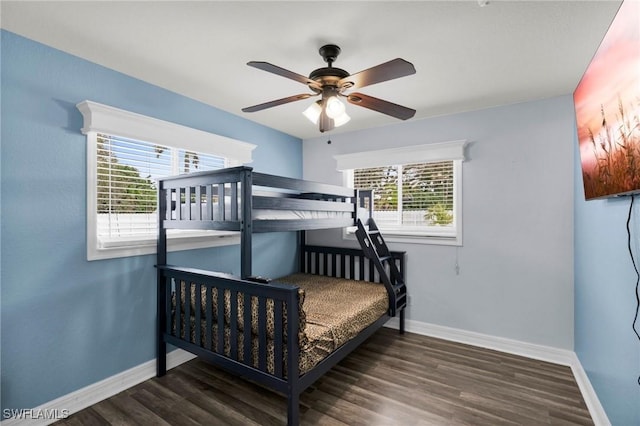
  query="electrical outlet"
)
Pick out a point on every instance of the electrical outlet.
point(409, 300)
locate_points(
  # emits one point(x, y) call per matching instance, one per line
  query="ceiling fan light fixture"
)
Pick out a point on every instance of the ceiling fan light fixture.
point(335, 108)
point(315, 109)
point(313, 112)
point(341, 119)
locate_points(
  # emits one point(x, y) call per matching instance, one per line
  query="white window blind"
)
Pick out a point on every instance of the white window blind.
point(415, 197)
point(126, 189)
point(126, 153)
point(417, 190)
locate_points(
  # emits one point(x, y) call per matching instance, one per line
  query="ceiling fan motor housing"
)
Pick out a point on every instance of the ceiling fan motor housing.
point(328, 76)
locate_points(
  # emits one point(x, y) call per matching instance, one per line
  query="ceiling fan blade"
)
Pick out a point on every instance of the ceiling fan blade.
point(277, 102)
point(385, 107)
point(274, 69)
point(395, 68)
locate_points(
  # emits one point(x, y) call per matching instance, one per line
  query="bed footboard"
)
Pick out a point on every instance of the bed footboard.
point(239, 325)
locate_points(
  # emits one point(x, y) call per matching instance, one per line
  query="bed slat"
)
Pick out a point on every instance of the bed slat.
point(209, 204)
point(221, 202)
point(248, 340)
point(278, 338)
point(187, 310)
point(198, 308)
point(168, 291)
point(220, 334)
point(178, 310)
point(169, 197)
point(262, 334)
point(234, 201)
point(209, 315)
point(198, 202)
point(179, 193)
point(233, 324)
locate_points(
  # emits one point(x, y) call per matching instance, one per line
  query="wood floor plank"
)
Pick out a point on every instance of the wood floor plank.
point(87, 417)
point(395, 409)
point(234, 401)
point(270, 403)
point(389, 380)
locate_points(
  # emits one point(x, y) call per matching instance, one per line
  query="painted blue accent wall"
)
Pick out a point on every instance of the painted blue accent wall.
point(604, 301)
point(66, 322)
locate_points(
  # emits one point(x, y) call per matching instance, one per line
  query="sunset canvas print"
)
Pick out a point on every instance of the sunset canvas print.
point(607, 104)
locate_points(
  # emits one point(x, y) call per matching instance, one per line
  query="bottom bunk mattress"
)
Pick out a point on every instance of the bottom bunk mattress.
point(332, 311)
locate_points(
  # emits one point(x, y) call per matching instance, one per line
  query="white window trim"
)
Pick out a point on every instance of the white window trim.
point(105, 119)
point(426, 153)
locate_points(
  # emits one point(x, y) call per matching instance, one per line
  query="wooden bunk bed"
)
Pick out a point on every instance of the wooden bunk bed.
point(244, 324)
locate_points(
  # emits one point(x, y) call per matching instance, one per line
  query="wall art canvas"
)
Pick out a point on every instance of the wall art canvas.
point(607, 105)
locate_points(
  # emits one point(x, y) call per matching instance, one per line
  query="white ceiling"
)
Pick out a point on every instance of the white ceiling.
point(467, 57)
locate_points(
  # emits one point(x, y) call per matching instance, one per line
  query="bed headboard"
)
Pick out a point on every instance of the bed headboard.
point(344, 263)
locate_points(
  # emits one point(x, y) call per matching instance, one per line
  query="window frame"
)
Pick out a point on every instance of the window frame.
point(103, 119)
point(426, 153)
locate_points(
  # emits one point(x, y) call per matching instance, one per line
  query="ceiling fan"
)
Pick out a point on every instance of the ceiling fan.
point(333, 83)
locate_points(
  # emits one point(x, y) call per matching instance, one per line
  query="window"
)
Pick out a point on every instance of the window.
point(417, 190)
point(126, 191)
point(126, 154)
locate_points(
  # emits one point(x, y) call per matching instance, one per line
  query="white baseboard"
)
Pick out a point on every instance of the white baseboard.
point(596, 410)
point(515, 347)
point(92, 394)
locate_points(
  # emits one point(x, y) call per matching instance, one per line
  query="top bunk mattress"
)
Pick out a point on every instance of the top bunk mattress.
point(264, 214)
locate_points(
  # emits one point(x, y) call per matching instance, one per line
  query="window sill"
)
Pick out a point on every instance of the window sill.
point(410, 237)
point(190, 240)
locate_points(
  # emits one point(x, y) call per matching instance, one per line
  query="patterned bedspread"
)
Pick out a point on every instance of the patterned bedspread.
point(332, 311)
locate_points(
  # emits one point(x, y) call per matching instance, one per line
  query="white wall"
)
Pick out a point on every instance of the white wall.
point(516, 262)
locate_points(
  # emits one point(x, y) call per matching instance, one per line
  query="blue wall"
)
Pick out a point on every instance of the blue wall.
point(604, 301)
point(66, 322)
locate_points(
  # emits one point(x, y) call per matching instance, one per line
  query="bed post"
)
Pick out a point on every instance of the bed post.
point(161, 348)
point(402, 274)
point(161, 288)
point(293, 409)
point(293, 361)
point(246, 229)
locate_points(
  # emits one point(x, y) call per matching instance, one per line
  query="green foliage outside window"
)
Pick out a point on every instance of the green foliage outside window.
point(121, 189)
point(426, 187)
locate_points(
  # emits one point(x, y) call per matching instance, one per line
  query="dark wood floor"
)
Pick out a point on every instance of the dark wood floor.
point(389, 380)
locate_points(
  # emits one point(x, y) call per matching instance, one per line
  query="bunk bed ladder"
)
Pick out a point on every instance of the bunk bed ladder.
point(377, 251)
